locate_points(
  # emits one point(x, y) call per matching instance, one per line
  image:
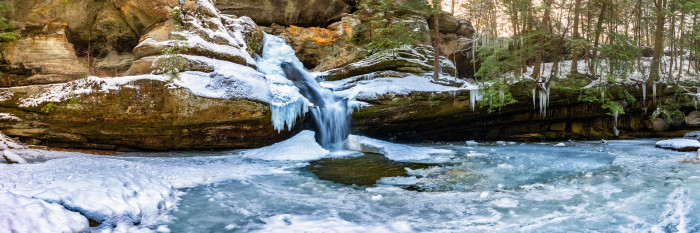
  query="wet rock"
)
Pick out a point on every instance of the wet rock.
point(364, 170)
point(693, 119)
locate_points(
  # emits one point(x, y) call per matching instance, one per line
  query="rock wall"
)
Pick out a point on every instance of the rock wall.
point(305, 13)
point(147, 115)
point(449, 117)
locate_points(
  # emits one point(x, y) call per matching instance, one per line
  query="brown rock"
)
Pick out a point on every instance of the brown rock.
point(693, 119)
point(660, 125)
point(304, 13)
point(40, 59)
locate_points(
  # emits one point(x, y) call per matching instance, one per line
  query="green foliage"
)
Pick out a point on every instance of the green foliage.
point(381, 28)
point(48, 108)
point(496, 61)
point(171, 63)
point(7, 33)
point(495, 95)
point(621, 55)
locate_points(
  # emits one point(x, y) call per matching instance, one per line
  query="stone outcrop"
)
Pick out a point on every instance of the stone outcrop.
point(39, 58)
point(446, 117)
point(304, 13)
point(324, 48)
point(147, 116)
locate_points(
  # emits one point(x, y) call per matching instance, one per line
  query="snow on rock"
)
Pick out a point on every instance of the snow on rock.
point(11, 157)
point(371, 89)
point(22, 214)
point(694, 134)
point(302, 147)
point(8, 117)
point(679, 144)
point(396, 152)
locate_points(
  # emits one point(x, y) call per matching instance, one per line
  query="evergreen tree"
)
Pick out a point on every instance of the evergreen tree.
point(7, 33)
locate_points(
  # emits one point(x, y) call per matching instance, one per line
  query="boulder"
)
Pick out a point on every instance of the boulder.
point(447, 22)
point(416, 59)
point(204, 33)
point(660, 125)
point(304, 13)
point(693, 119)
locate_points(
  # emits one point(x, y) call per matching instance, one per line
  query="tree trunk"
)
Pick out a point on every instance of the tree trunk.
point(574, 51)
point(436, 44)
point(598, 29)
point(658, 43)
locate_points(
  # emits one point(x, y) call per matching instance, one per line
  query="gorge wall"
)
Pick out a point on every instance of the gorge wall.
point(63, 42)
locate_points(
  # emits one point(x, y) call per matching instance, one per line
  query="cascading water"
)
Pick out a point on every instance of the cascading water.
point(330, 112)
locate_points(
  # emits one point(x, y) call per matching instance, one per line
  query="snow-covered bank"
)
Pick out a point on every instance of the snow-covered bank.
point(23, 214)
point(120, 192)
point(302, 147)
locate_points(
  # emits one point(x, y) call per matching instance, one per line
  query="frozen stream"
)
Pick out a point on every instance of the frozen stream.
point(623, 186)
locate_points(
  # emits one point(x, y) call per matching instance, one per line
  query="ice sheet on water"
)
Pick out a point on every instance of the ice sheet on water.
point(397, 152)
point(302, 147)
point(300, 223)
point(22, 214)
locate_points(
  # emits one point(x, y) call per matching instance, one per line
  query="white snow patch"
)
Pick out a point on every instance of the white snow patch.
point(302, 147)
point(397, 152)
point(678, 144)
point(22, 214)
point(8, 117)
point(120, 192)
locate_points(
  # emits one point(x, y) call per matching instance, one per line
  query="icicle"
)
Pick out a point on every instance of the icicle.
point(544, 100)
point(534, 103)
point(653, 90)
point(617, 132)
point(474, 96)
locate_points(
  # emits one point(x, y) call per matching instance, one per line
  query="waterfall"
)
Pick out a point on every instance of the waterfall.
point(330, 113)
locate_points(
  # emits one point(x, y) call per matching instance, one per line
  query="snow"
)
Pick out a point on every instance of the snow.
point(22, 214)
point(302, 147)
point(121, 192)
point(396, 152)
point(694, 134)
point(679, 144)
point(8, 117)
point(371, 89)
point(11, 157)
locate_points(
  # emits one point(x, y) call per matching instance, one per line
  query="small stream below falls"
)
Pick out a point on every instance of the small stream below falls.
point(617, 187)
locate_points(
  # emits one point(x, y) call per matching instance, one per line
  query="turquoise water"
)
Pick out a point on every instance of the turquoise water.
point(623, 186)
